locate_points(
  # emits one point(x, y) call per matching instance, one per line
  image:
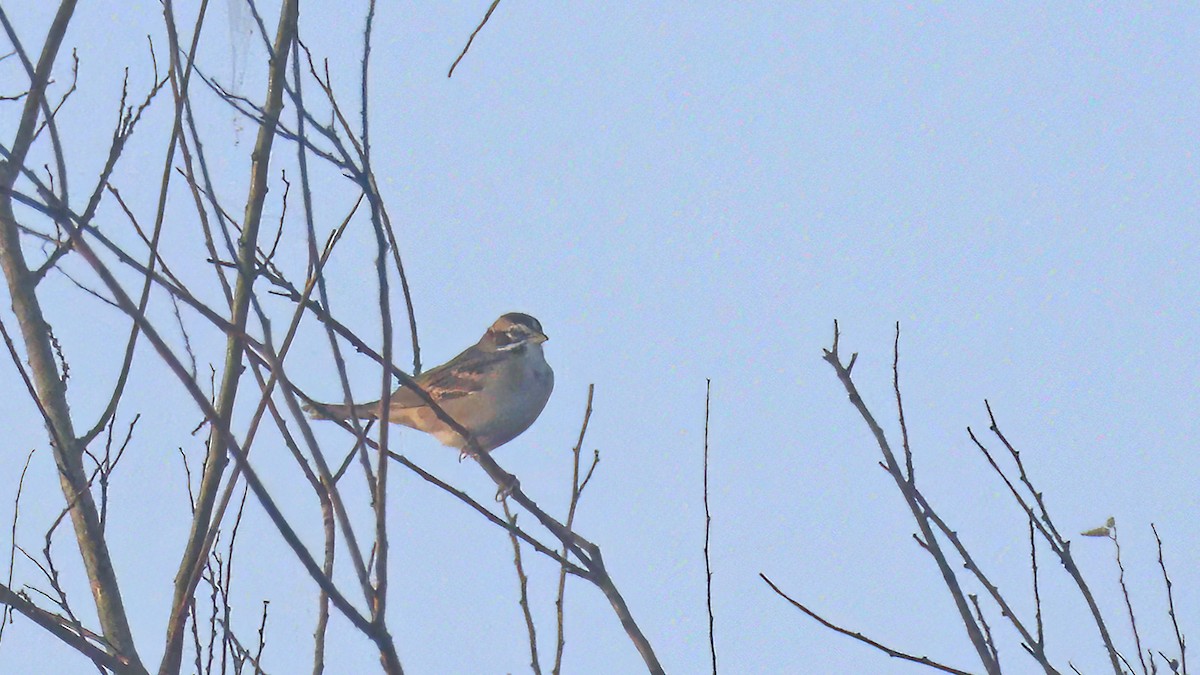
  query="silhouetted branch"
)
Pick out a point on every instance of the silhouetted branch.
point(6, 615)
point(57, 626)
point(923, 660)
point(712, 645)
point(40, 353)
point(1170, 604)
point(523, 585)
point(471, 39)
point(576, 492)
point(1137, 637)
point(1033, 646)
point(1040, 518)
point(833, 357)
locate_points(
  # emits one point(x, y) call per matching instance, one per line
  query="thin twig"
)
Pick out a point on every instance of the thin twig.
point(329, 528)
point(895, 653)
point(523, 585)
point(712, 645)
point(987, 631)
point(6, 616)
point(1045, 524)
point(908, 457)
point(97, 561)
point(57, 626)
point(472, 38)
point(479, 508)
point(576, 491)
point(1137, 637)
point(907, 490)
point(262, 637)
point(1034, 648)
point(1171, 603)
point(1037, 593)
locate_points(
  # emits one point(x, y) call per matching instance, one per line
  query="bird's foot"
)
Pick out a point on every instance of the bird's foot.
point(509, 486)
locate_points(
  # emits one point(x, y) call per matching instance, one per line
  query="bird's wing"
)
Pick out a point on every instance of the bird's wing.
point(461, 376)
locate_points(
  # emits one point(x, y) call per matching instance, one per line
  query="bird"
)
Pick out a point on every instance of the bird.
point(495, 389)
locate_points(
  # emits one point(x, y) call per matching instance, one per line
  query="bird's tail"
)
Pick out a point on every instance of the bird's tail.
point(340, 411)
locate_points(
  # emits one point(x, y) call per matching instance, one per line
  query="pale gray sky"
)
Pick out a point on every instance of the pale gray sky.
point(690, 191)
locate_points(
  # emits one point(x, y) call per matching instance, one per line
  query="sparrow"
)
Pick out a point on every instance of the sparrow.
point(495, 389)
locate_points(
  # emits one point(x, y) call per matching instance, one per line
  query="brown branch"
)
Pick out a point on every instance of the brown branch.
point(1044, 513)
point(57, 626)
point(577, 545)
point(217, 458)
point(127, 120)
point(227, 583)
point(479, 508)
point(1137, 636)
point(908, 457)
point(379, 487)
point(1045, 525)
point(576, 491)
point(1037, 593)
point(262, 638)
point(202, 402)
point(51, 390)
point(326, 482)
point(49, 121)
point(894, 653)
point(1033, 646)
point(471, 39)
point(523, 584)
point(244, 654)
point(1170, 603)
point(261, 351)
point(324, 485)
point(907, 490)
point(6, 615)
point(394, 247)
point(39, 78)
point(29, 386)
point(152, 244)
point(712, 645)
point(987, 631)
point(253, 481)
point(329, 529)
point(53, 577)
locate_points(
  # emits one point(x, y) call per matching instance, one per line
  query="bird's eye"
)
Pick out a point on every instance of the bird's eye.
point(512, 339)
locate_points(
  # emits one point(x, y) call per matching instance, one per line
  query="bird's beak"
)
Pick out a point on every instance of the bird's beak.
point(540, 338)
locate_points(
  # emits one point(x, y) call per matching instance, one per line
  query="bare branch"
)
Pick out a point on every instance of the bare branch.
point(57, 626)
point(217, 459)
point(471, 39)
point(1137, 637)
point(1037, 593)
point(1033, 646)
point(523, 584)
point(908, 458)
point(1171, 604)
point(576, 491)
point(51, 390)
point(1045, 525)
point(6, 616)
point(712, 645)
point(923, 660)
point(987, 631)
point(907, 490)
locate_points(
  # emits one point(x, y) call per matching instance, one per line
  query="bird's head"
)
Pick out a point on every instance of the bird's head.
point(513, 331)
